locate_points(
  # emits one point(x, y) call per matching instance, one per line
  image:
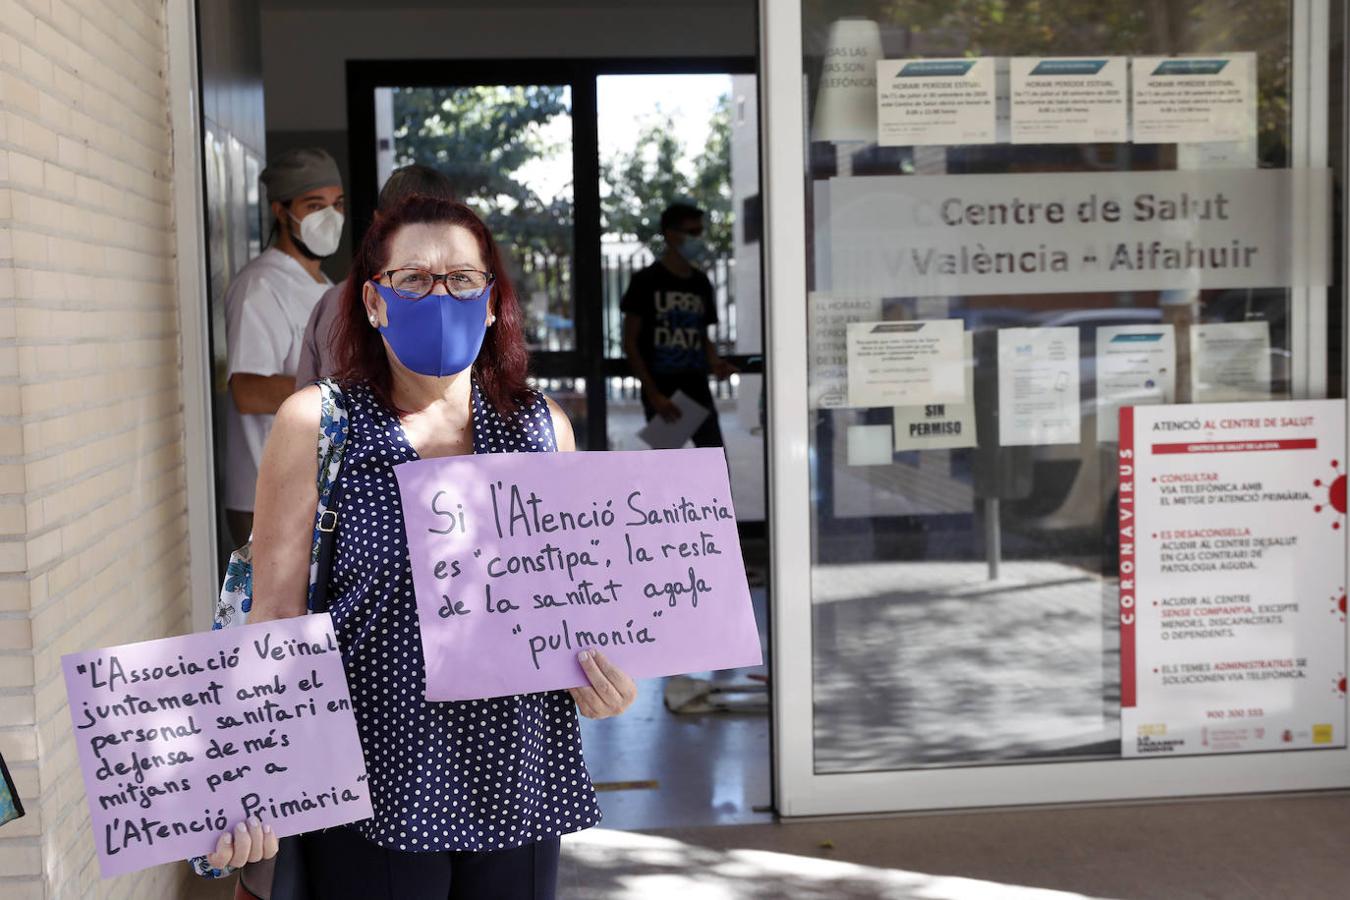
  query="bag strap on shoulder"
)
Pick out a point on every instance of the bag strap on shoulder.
point(332, 444)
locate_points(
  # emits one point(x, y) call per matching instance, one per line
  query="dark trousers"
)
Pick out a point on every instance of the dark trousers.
point(343, 865)
point(695, 385)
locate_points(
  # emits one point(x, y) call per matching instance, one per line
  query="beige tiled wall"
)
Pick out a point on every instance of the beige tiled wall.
point(93, 510)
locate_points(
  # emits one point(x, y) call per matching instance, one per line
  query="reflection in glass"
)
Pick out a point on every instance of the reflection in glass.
point(507, 150)
point(699, 144)
point(964, 593)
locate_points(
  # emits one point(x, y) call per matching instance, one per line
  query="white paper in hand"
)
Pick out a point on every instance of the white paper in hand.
point(662, 435)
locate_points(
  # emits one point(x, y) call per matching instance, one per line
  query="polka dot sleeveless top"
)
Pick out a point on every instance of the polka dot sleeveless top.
point(473, 775)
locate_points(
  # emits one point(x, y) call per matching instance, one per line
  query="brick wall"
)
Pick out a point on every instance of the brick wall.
point(93, 520)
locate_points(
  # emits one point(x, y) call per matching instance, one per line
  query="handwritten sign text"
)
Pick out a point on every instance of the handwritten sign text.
point(521, 561)
point(180, 738)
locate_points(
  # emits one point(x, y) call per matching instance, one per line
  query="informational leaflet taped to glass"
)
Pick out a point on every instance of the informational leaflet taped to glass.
point(1230, 361)
point(1136, 366)
point(827, 344)
point(1069, 101)
point(940, 426)
point(1194, 99)
point(904, 363)
point(965, 235)
point(947, 102)
point(1038, 384)
point(1232, 577)
point(869, 445)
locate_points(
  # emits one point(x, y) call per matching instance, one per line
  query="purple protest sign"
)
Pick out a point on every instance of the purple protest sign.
point(180, 738)
point(522, 560)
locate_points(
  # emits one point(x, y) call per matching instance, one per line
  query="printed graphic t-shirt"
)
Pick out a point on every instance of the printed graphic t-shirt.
point(675, 314)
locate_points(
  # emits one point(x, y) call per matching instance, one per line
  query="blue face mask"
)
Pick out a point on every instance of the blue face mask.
point(694, 251)
point(437, 335)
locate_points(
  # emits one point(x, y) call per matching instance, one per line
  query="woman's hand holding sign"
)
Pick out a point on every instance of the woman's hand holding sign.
point(611, 690)
point(251, 842)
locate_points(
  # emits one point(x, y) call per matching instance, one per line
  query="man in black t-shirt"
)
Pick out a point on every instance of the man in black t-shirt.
point(668, 308)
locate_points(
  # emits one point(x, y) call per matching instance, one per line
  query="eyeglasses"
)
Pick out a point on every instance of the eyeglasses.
point(463, 284)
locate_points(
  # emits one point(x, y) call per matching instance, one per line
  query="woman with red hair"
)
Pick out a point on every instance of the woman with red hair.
point(469, 798)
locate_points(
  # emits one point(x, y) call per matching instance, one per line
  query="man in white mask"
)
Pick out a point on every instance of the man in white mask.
point(266, 308)
point(317, 359)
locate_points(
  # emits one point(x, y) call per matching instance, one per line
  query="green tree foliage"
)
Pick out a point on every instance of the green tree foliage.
point(638, 183)
point(482, 137)
point(711, 185)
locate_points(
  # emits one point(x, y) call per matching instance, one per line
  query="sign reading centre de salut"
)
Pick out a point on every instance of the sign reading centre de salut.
point(521, 561)
point(180, 738)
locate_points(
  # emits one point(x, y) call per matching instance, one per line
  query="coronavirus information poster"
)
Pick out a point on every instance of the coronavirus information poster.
point(1232, 577)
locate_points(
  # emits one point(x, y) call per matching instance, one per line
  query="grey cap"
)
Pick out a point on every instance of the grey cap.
point(294, 172)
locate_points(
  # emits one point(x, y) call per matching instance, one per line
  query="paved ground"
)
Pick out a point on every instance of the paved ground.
point(930, 662)
point(661, 770)
point(1248, 848)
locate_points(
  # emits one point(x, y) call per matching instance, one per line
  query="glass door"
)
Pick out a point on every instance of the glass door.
point(699, 143)
point(572, 162)
point(508, 150)
point(552, 154)
point(957, 621)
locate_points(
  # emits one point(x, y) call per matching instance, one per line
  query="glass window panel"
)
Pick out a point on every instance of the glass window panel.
point(698, 143)
point(507, 150)
point(964, 591)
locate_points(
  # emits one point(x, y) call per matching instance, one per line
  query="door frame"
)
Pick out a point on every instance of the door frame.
point(192, 296)
point(587, 360)
point(798, 789)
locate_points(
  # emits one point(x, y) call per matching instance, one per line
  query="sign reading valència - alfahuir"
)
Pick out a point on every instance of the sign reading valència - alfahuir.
point(1071, 232)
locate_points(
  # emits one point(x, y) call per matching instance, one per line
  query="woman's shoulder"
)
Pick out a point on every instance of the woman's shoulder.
point(300, 410)
point(563, 437)
point(308, 407)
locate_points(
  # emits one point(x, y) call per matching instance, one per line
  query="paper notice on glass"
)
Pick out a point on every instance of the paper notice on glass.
point(1038, 386)
point(1136, 366)
point(1069, 101)
point(827, 345)
point(906, 363)
point(940, 426)
point(1232, 631)
point(923, 102)
point(1230, 361)
point(869, 445)
point(1208, 155)
point(662, 435)
point(1195, 98)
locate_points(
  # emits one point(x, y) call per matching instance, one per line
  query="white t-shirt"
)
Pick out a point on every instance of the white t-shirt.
point(266, 308)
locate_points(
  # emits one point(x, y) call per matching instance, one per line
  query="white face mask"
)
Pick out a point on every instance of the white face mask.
point(321, 230)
